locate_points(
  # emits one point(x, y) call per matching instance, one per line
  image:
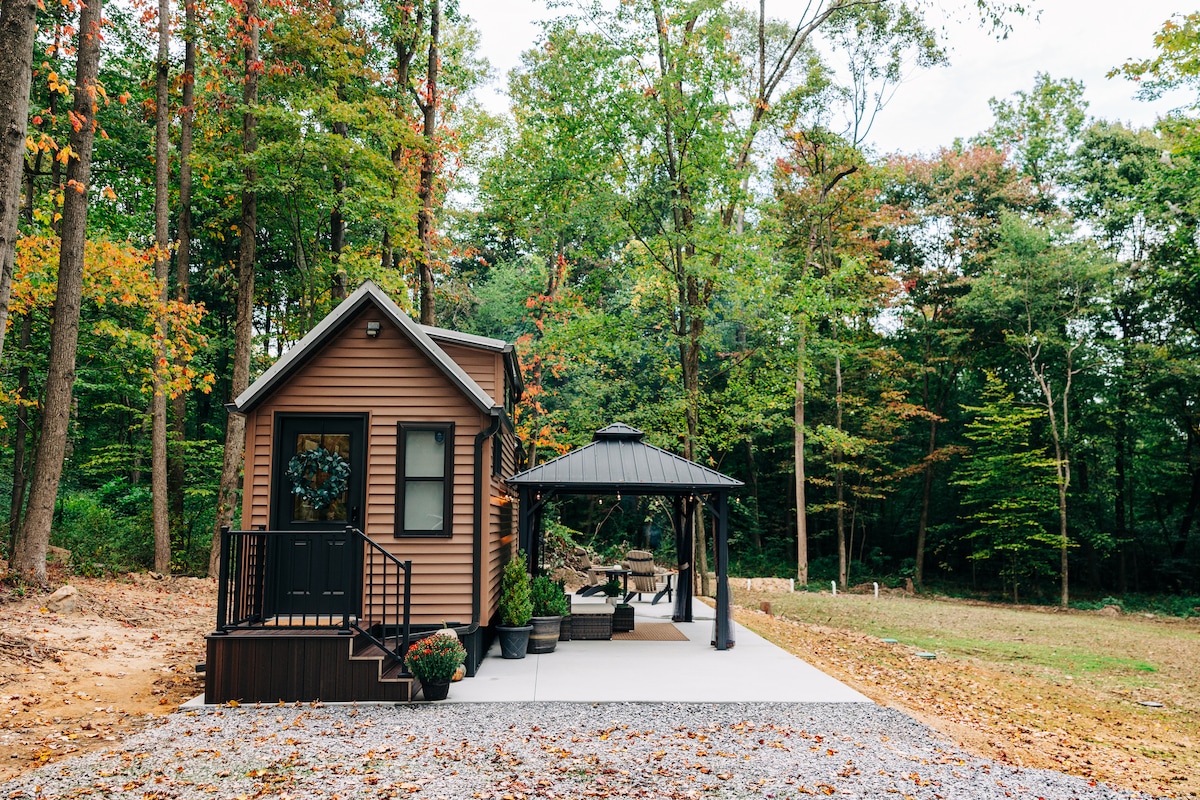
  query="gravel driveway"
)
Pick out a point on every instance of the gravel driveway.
point(551, 750)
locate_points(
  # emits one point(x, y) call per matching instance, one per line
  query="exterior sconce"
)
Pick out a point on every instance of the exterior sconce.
point(373, 329)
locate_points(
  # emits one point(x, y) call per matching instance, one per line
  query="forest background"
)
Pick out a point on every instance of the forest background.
point(976, 369)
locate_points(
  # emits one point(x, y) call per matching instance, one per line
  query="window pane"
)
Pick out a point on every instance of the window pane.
point(423, 501)
point(425, 454)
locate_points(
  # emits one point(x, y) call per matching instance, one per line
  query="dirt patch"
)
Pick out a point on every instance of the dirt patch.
point(73, 683)
point(1062, 691)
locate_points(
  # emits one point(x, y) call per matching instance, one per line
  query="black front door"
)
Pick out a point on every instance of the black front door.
point(319, 481)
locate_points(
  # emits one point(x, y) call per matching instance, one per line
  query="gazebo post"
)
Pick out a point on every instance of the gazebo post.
point(723, 639)
point(685, 514)
point(524, 517)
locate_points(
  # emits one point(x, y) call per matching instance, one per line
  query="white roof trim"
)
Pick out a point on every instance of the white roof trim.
point(331, 324)
point(468, 339)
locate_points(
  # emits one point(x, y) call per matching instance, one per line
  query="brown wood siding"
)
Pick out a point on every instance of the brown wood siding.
point(484, 367)
point(392, 381)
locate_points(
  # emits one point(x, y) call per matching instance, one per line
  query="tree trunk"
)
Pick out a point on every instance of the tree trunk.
point(21, 434)
point(17, 29)
point(926, 498)
point(29, 551)
point(801, 500)
point(162, 256)
point(840, 485)
point(183, 255)
point(235, 426)
point(428, 168)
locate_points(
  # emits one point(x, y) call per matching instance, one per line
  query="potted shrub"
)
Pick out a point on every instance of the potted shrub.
point(549, 607)
point(433, 661)
point(516, 608)
point(612, 590)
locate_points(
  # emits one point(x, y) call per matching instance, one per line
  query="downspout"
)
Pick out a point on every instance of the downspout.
point(477, 558)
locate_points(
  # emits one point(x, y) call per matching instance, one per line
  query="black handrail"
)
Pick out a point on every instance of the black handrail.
point(378, 604)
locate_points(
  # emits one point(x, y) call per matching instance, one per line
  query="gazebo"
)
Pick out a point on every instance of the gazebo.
point(618, 462)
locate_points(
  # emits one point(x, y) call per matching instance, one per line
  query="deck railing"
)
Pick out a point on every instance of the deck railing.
point(376, 602)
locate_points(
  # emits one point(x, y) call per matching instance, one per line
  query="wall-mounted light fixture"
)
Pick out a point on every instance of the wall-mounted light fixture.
point(373, 329)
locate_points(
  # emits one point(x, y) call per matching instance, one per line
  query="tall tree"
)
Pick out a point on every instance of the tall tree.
point(162, 260)
point(1009, 488)
point(1041, 293)
point(235, 426)
point(183, 252)
point(428, 103)
point(18, 26)
point(29, 552)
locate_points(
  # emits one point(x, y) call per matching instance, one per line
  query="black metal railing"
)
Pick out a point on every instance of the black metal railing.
point(374, 597)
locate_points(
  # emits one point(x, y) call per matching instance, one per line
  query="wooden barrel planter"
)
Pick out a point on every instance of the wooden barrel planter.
point(544, 637)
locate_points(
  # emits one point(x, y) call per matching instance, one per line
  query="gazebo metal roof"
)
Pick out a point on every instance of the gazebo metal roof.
point(617, 460)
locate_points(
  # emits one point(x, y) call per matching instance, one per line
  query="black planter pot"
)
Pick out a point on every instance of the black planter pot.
point(544, 637)
point(513, 641)
point(435, 690)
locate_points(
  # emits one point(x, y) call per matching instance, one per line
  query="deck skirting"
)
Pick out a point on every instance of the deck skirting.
point(274, 665)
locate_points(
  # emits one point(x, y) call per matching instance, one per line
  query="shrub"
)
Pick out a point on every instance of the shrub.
point(516, 608)
point(548, 598)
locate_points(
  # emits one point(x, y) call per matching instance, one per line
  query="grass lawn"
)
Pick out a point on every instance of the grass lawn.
point(1026, 686)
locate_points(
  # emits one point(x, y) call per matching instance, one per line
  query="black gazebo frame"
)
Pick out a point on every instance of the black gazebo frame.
point(618, 462)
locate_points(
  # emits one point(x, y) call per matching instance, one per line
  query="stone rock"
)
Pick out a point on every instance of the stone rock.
point(63, 601)
point(58, 555)
point(1109, 611)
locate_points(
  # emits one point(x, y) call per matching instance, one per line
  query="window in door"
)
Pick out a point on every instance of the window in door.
point(318, 495)
point(424, 473)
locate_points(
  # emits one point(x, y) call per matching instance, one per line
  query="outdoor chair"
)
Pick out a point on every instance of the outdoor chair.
point(647, 577)
point(597, 575)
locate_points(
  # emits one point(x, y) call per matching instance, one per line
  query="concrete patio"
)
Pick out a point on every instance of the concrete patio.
point(689, 671)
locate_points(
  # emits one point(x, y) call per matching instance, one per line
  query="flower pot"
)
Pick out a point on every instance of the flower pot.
point(513, 641)
point(544, 637)
point(435, 690)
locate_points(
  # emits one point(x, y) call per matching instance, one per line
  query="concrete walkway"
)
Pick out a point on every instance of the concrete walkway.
point(688, 672)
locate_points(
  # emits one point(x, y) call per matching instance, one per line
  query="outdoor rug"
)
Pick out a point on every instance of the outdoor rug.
point(652, 632)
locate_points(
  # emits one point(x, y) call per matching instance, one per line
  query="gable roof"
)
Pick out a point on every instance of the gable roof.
point(506, 349)
point(334, 322)
point(618, 460)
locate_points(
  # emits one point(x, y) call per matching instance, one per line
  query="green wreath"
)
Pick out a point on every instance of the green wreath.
point(303, 469)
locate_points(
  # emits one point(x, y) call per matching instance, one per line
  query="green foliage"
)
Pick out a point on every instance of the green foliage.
point(547, 597)
point(107, 532)
point(1009, 488)
point(516, 607)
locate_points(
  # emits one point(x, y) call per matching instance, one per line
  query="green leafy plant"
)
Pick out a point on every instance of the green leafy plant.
point(612, 588)
point(516, 607)
point(435, 658)
point(548, 598)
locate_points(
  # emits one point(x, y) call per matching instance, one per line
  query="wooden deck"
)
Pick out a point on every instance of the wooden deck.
point(269, 665)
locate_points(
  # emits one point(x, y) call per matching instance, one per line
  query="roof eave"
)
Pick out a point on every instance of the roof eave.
point(334, 322)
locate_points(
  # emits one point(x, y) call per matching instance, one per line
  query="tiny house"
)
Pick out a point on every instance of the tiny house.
point(374, 507)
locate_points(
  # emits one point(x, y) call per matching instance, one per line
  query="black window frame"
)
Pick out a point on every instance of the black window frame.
point(402, 430)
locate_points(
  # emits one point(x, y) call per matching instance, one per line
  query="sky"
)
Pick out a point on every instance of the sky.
point(1080, 39)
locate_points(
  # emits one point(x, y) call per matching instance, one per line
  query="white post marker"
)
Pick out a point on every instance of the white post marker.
point(833, 587)
point(793, 585)
point(876, 590)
